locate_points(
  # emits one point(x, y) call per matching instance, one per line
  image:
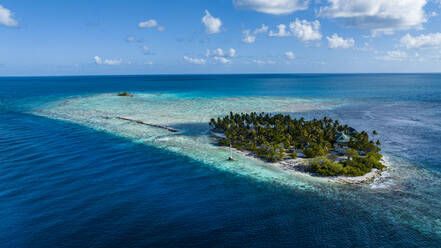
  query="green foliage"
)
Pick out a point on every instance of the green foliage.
point(268, 136)
point(224, 142)
point(376, 156)
point(324, 167)
point(360, 142)
point(358, 166)
point(315, 150)
point(351, 153)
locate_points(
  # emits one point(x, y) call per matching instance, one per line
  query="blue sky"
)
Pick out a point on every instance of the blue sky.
point(219, 36)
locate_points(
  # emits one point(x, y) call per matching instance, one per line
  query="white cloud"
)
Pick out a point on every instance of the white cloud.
point(7, 17)
point(112, 62)
point(148, 24)
point(99, 61)
point(258, 61)
point(219, 52)
point(336, 41)
point(232, 52)
point(215, 52)
point(130, 38)
point(262, 29)
point(432, 40)
point(394, 56)
point(281, 33)
point(221, 56)
point(223, 60)
point(378, 15)
point(290, 55)
point(263, 62)
point(274, 7)
point(212, 25)
point(250, 36)
point(151, 24)
point(306, 31)
point(197, 61)
point(303, 30)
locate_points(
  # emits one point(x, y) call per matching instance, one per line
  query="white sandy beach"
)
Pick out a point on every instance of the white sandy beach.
point(295, 166)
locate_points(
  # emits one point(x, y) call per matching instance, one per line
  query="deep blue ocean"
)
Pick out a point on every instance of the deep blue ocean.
point(64, 184)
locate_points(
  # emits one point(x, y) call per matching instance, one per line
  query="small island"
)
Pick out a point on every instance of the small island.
point(125, 94)
point(324, 147)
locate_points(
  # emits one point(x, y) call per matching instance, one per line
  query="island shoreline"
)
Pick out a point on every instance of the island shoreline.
point(294, 168)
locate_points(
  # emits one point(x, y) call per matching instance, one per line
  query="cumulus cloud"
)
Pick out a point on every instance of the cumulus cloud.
point(306, 31)
point(197, 61)
point(378, 15)
point(99, 61)
point(148, 24)
point(215, 52)
point(303, 30)
point(219, 52)
point(432, 40)
point(232, 52)
point(336, 41)
point(262, 29)
point(220, 55)
point(394, 56)
point(290, 55)
point(281, 33)
point(222, 60)
point(212, 25)
point(151, 24)
point(274, 7)
point(7, 17)
point(250, 36)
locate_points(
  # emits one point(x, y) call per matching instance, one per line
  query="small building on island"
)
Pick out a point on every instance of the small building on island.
point(342, 139)
point(341, 143)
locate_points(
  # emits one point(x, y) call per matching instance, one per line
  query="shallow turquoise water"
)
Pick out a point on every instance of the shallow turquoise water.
point(70, 176)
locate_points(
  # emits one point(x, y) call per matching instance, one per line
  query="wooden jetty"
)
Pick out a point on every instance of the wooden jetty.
point(148, 124)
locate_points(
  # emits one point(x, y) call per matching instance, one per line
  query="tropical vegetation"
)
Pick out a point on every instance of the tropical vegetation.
point(278, 137)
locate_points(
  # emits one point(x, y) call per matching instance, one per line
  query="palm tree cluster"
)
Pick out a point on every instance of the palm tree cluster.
point(275, 137)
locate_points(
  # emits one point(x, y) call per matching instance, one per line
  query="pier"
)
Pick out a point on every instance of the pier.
point(148, 124)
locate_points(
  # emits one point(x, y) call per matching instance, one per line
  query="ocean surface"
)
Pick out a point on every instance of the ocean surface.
point(74, 175)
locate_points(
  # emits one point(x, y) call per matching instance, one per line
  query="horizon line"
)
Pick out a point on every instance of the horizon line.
point(222, 74)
